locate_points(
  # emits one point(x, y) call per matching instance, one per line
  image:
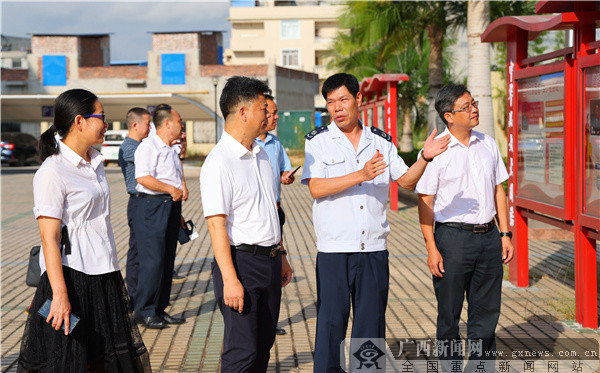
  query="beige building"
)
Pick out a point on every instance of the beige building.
point(293, 34)
point(183, 70)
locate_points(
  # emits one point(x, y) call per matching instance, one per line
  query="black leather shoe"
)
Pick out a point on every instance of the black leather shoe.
point(280, 331)
point(151, 322)
point(168, 319)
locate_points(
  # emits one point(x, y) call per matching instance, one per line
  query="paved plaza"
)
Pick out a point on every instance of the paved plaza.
point(534, 313)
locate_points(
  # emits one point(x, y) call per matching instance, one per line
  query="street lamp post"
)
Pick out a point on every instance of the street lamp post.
point(215, 80)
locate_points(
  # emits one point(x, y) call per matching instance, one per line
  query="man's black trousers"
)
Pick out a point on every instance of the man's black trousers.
point(473, 266)
point(250, 335)
point(156, 228)
point(132, 266)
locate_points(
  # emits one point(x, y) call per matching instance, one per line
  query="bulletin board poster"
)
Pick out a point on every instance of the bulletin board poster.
point(591, 203)
point(541, 139)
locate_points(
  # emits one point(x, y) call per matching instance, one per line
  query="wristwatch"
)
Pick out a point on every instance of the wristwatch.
point(283, 252)
point(425, 159)
point(506, 234)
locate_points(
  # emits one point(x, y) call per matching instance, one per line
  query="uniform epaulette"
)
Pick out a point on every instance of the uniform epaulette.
point(315, 132)
point(381, 133)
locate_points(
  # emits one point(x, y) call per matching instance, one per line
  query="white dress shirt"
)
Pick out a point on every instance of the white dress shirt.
point(159, 160)
point(152, 133)
point(463, 180)
point(239, 183)
point(353, 220)
point(68, 188)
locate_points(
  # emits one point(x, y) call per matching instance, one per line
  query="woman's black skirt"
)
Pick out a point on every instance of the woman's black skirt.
point(105, 339)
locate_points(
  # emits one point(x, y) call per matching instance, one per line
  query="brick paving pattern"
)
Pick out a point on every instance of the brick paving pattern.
point(536, 312)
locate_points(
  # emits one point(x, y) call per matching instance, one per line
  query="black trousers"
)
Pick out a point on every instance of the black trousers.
point(156, 228)
point(360, 279)
point(133, 266)
point(473, 266)
point(250, 335)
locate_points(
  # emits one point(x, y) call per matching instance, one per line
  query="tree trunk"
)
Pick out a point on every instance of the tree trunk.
point(436, 75)
point(406, 139)
point(479, 76)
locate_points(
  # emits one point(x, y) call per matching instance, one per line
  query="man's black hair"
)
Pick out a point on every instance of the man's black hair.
point(341, 79)
point(161, 114)
point(240, 89)
point(446, 97)
point(135, 114)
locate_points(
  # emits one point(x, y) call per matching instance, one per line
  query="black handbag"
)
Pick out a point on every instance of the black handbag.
point(33, 269)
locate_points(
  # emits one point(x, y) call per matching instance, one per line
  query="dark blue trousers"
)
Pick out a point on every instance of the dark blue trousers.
point(133, 266)
point(473, 266)
point(156, 228)
point(250, 335)
point(344, 279)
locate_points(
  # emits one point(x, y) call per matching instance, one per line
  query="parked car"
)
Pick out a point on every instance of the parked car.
point(111, 144)
point(18, 149)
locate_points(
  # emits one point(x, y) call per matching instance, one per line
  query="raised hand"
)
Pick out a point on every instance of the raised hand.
point(434, 147)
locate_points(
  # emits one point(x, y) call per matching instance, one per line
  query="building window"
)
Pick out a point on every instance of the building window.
point(54, 70)
point(290, 57)
point(173, 68)
point(290, 29)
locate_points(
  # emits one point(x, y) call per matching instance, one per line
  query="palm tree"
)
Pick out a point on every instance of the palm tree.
point(479, 74)
point(372, 45)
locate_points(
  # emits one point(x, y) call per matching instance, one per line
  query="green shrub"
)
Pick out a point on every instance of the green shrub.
point(409, 157)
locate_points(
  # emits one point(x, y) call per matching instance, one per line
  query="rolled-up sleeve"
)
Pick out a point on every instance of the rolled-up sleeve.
point(145, 160)
point(313, 166)
point(48, 194)
point(216, 189)
point(428, 183)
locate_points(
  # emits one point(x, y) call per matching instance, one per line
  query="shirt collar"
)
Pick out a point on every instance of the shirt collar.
point(335, 131)
point(74, 158)
point(475, 136)
point(237, 148)
point(267, 139)
point(365, 136)
point(158, 142)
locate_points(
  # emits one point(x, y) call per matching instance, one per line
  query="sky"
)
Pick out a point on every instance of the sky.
point(128, 22)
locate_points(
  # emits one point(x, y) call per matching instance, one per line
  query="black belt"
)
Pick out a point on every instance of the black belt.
point(475, 228)
point(270, 251)
point(134, 194)
point(161, 196)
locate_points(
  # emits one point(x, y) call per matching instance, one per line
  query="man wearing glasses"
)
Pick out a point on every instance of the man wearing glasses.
point(460, 193)
point(161, 188)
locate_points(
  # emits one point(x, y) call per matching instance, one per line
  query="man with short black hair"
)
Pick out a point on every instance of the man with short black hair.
point(460, 193)
point(161, 187)
point(239, 203)
point(138, 123)
point(348, 168)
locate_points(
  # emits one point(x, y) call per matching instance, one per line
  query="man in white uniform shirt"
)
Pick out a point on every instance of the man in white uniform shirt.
point(459, 194)
point(239, 203)
point(348, 168)
point(161, 188)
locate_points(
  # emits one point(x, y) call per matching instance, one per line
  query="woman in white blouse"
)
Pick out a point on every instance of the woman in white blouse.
point(80, 270)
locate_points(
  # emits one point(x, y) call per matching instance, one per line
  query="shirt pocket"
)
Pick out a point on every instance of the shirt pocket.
point(335, 165)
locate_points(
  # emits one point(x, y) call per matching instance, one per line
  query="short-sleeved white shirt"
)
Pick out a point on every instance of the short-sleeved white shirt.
point(68, 188)
point(353, 220)
point(463, 180)
point(159, 160)
point(239, 183)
